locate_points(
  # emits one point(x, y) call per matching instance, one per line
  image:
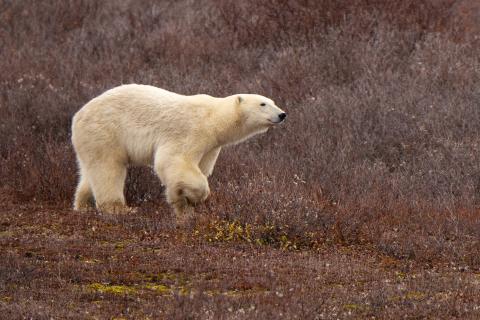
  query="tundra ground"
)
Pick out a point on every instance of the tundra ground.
point(365, 203)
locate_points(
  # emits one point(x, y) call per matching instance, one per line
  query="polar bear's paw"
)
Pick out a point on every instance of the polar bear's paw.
point(184, 217)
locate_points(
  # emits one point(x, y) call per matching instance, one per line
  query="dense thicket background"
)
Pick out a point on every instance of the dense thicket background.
point(381, 145)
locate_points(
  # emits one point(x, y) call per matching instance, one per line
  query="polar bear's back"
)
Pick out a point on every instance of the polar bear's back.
point(133, 119)
point(132, 98)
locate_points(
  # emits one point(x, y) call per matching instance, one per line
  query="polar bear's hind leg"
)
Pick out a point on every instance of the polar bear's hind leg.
point(83, 196)
point(107, 182)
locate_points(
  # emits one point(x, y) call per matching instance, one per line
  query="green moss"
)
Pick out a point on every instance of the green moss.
point(351, 306)
point(159, 288)
point(266, 234)
point(113, 289)
point(6, 234)
point(161, 276)
point(212, 292)
point(355, 307)
point(120, 245)
point(220, 230)
point(415, 295)
point(184, 291)
point(164, 283)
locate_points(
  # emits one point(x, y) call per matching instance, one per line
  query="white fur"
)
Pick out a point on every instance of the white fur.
point(181, 136)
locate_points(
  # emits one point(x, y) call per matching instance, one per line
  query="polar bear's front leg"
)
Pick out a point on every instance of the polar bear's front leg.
point(184, 212)
point(183, 196)
point(208, 161)
point(185, 183)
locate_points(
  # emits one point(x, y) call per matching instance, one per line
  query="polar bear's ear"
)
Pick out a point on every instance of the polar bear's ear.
point(239, 99)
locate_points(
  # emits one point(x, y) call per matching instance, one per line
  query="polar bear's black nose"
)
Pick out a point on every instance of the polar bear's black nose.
point(282, 116)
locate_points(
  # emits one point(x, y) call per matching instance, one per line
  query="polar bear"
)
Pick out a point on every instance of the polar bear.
point(180, 136)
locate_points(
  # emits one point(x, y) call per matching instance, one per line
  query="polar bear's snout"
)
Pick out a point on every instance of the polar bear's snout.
point(277, 115)
point(280, 118)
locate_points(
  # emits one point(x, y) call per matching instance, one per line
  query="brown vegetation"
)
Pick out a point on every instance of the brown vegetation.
point(365, 203)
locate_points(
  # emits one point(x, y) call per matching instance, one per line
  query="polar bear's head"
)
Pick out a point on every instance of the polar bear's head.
point(258, 112)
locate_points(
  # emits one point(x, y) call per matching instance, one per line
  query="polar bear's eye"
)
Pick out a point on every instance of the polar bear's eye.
point(263, 104)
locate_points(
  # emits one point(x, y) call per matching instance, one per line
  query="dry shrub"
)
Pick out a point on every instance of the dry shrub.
point(381, 144)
